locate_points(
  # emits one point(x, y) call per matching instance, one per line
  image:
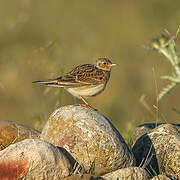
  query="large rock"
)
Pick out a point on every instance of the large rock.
point(159, 150)
point(11, 132)
point(33, 159)
point(129, 173)
point(145, 128)
point(164, 177)
point(83, 177)
point(89, 137)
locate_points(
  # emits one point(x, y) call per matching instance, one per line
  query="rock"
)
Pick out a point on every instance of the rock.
point(129, 173)
point(89, 137)
point(33, 159)
point(163, 177)
point(159, 150)
point(83, 177)
point(145, 128)
point(11, 132)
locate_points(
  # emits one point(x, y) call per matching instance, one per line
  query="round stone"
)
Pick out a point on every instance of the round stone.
point(89, 137)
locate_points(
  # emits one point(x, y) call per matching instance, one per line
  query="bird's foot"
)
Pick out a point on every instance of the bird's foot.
point(88, 106)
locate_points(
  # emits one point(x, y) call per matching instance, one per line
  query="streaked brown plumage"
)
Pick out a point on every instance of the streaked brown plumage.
point(85, 80)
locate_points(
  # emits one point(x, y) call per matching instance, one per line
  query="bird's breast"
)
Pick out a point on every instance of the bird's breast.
point(86, 91)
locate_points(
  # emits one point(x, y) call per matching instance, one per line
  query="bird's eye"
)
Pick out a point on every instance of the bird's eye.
point(104, 63)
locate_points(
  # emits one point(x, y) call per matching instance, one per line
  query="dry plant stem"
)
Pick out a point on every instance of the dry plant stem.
point(149, 109)
point(157, 102)
point(149, 155)
point(144, 103)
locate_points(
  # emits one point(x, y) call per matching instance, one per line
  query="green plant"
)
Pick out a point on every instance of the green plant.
point(165, 44)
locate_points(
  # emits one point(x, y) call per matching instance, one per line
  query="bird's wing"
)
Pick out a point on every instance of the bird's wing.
point(89, 74)
point(82, 75)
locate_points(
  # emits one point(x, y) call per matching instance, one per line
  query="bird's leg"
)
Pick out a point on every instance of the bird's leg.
point(85, 103)
point(84, 100)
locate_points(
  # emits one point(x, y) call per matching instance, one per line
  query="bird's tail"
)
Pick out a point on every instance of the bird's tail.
point(49, 82)
point(54, 83)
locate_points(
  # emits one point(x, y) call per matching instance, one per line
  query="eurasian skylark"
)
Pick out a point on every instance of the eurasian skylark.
point(85, 80)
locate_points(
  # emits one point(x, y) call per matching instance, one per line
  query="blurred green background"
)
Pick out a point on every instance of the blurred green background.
point(43, 39)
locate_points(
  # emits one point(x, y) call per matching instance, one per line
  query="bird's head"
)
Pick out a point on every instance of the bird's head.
point(104, 64)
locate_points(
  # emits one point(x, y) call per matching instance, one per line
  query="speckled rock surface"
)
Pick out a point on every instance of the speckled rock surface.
point(89, 137)
point(33, 159)
point(164, 177)
point(145, 128)
point(83, 177)
point(11, 132)
point(129, 173)
point(162, 145)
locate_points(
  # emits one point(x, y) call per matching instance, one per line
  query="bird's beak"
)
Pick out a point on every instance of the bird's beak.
point(113, 64)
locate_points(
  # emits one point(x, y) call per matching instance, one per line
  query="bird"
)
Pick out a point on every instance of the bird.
point(84, 81)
